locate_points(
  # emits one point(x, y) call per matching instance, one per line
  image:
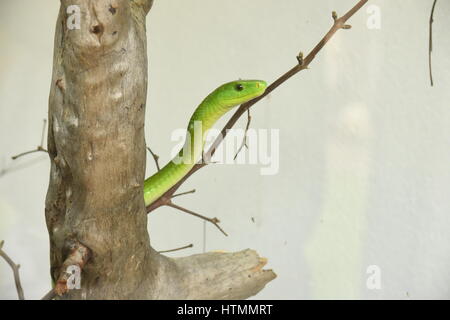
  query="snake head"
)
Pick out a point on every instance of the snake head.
point(237, 92)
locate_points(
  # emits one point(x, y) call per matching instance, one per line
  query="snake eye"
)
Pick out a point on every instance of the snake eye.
point(239, 87)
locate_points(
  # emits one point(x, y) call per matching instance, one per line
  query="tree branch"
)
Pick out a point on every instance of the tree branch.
point(214, 221)
point(430, 44)
point(183, 193)
point(177, 249)
point(95, 189)
point(15, 269)
point(39, 148)
point(224, 276)
point(339, 23)
point(244, 140)
point(155, 158)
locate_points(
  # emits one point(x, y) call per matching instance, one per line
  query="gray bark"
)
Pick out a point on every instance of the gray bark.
point(97, 150)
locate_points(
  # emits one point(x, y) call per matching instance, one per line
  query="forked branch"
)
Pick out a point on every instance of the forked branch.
point(214, 220)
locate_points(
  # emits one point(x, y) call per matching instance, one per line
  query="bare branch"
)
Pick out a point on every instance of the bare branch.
point(177, 249)
point(39, 148)
point(302, 64)
point(244, 140)
point(237, 275)
point(183, 193)
point(430, 44)
point(15, 269)
point(155, 158)
point(214, 221)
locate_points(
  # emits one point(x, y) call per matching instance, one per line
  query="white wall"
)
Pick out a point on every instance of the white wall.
point(364, 142)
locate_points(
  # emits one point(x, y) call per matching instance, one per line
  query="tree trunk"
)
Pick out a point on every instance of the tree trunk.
point(94, 208)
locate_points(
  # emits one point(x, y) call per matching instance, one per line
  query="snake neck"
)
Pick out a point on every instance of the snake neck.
point(204, 117)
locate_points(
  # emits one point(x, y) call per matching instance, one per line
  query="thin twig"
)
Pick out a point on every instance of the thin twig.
point(177, 249)
point(15, 269)
point(430, 44)
point(155, 158)
point(183, 193)
point(214, 221)
point(39, 148)
point(302, 64)
point(244, 140)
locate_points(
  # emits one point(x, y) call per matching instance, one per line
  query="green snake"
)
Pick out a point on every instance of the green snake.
point(213, 107)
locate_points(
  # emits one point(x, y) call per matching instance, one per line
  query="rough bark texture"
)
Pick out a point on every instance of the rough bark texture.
point(97, 150)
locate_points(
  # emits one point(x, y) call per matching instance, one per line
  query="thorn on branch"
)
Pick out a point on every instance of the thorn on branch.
point(155, 158)
point(15, 269)
point(244, 140)
point(177, 249)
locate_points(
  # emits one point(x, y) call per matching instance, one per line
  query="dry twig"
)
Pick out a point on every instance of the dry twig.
point(244, 140)
point(214, 220)
point(183, 193)
point(430, 44)
point(155, 158)
point(39, 148)
point(15, 269)
point(177, 249)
